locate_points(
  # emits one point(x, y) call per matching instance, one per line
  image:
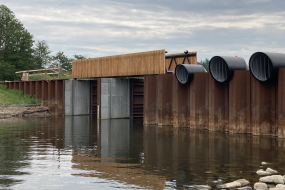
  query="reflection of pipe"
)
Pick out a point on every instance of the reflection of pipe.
point(185, 72)
point(222, 67)
point(264, 66)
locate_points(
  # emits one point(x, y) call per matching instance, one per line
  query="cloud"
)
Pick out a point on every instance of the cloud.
point(100, 28)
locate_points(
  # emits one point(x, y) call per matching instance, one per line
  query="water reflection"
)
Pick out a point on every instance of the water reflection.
point(76, 153)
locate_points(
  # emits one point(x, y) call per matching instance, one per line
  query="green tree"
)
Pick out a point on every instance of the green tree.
point(205, 64)
point(15, 46)
point(41, 54)
point(62, 61)
point(76, 57)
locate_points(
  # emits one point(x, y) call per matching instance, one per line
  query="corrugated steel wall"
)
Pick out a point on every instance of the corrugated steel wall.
point(50, 93)
point(244, 105)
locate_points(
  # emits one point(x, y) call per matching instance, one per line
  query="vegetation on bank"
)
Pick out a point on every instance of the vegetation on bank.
point(9, 97)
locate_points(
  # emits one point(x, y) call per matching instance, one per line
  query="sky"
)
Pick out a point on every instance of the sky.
point(112, 27)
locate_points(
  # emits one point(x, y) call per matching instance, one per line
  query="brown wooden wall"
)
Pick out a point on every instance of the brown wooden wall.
point(244, 105)
point(145, 63)
point(135, 64)
point(50, 93)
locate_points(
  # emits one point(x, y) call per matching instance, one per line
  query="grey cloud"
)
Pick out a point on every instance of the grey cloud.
point(101, 28)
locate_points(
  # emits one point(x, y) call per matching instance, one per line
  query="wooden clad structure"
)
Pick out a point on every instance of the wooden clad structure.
point(145, 63)
point(134, 64)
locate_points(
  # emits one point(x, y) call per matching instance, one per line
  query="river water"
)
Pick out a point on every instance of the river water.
point(80, 153)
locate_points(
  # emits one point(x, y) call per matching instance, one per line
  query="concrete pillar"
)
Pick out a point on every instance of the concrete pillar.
point(115, 98)
point(77, 97)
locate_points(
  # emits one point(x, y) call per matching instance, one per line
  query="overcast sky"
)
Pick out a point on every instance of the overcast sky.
point(111, 27)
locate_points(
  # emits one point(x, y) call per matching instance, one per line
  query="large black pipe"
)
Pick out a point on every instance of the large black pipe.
point(185, 72)
point(264, 66)
point(222, 67)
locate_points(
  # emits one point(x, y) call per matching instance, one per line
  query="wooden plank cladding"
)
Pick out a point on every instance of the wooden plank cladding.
point(244, 105)
point(144, 63)
point(134, 64)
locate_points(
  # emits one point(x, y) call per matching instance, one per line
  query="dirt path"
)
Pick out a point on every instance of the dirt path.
point(36, 110)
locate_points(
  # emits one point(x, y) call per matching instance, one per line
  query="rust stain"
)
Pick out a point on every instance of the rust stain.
point(150, 100)
point(218, 105)
point(239, 102)
point(199, 101)
point(263, 107)
point(181, 104)
point(281, 103)
point(165, 102)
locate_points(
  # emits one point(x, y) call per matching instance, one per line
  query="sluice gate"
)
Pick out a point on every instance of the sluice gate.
point(232, 97)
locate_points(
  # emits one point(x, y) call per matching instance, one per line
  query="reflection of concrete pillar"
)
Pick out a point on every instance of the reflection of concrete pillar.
point(115, 138)
point(77, 131)
point(115, 98)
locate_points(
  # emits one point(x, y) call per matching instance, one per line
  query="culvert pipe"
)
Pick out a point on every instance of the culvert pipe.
point(184, 73)
point(264, 66)
point(222, 67)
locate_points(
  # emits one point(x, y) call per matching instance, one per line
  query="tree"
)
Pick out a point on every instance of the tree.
point(62, 61)
point(205, 64)
point(41, 54)
point(76, 57)
point(15, 46)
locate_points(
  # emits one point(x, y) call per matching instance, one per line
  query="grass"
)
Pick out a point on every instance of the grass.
point(9, 97)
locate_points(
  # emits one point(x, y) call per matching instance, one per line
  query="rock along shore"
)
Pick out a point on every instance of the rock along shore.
point(34, 110)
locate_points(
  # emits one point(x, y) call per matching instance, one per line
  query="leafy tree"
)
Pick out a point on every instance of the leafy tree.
point(205, 64)
point(76, 57)
point(62, 61)
point(15, 46)
point(41, 54)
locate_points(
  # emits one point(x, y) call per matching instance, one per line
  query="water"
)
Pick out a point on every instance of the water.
point(79, 153)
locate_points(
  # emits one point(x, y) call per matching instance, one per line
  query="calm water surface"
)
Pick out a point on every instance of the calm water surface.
point(79, 153)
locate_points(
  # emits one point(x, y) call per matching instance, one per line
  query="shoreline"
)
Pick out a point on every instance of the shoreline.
point(33, 110)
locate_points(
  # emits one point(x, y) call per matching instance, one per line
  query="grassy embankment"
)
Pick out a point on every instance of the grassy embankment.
point(9, 97)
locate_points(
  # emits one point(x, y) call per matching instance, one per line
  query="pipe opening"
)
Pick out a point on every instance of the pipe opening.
point(261, 66)
point(222, 67)
point(184, 73)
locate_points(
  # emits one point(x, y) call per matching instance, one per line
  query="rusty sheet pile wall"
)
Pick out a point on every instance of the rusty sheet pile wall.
point(244, 105)
point(50, 93)
point(145, 63)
